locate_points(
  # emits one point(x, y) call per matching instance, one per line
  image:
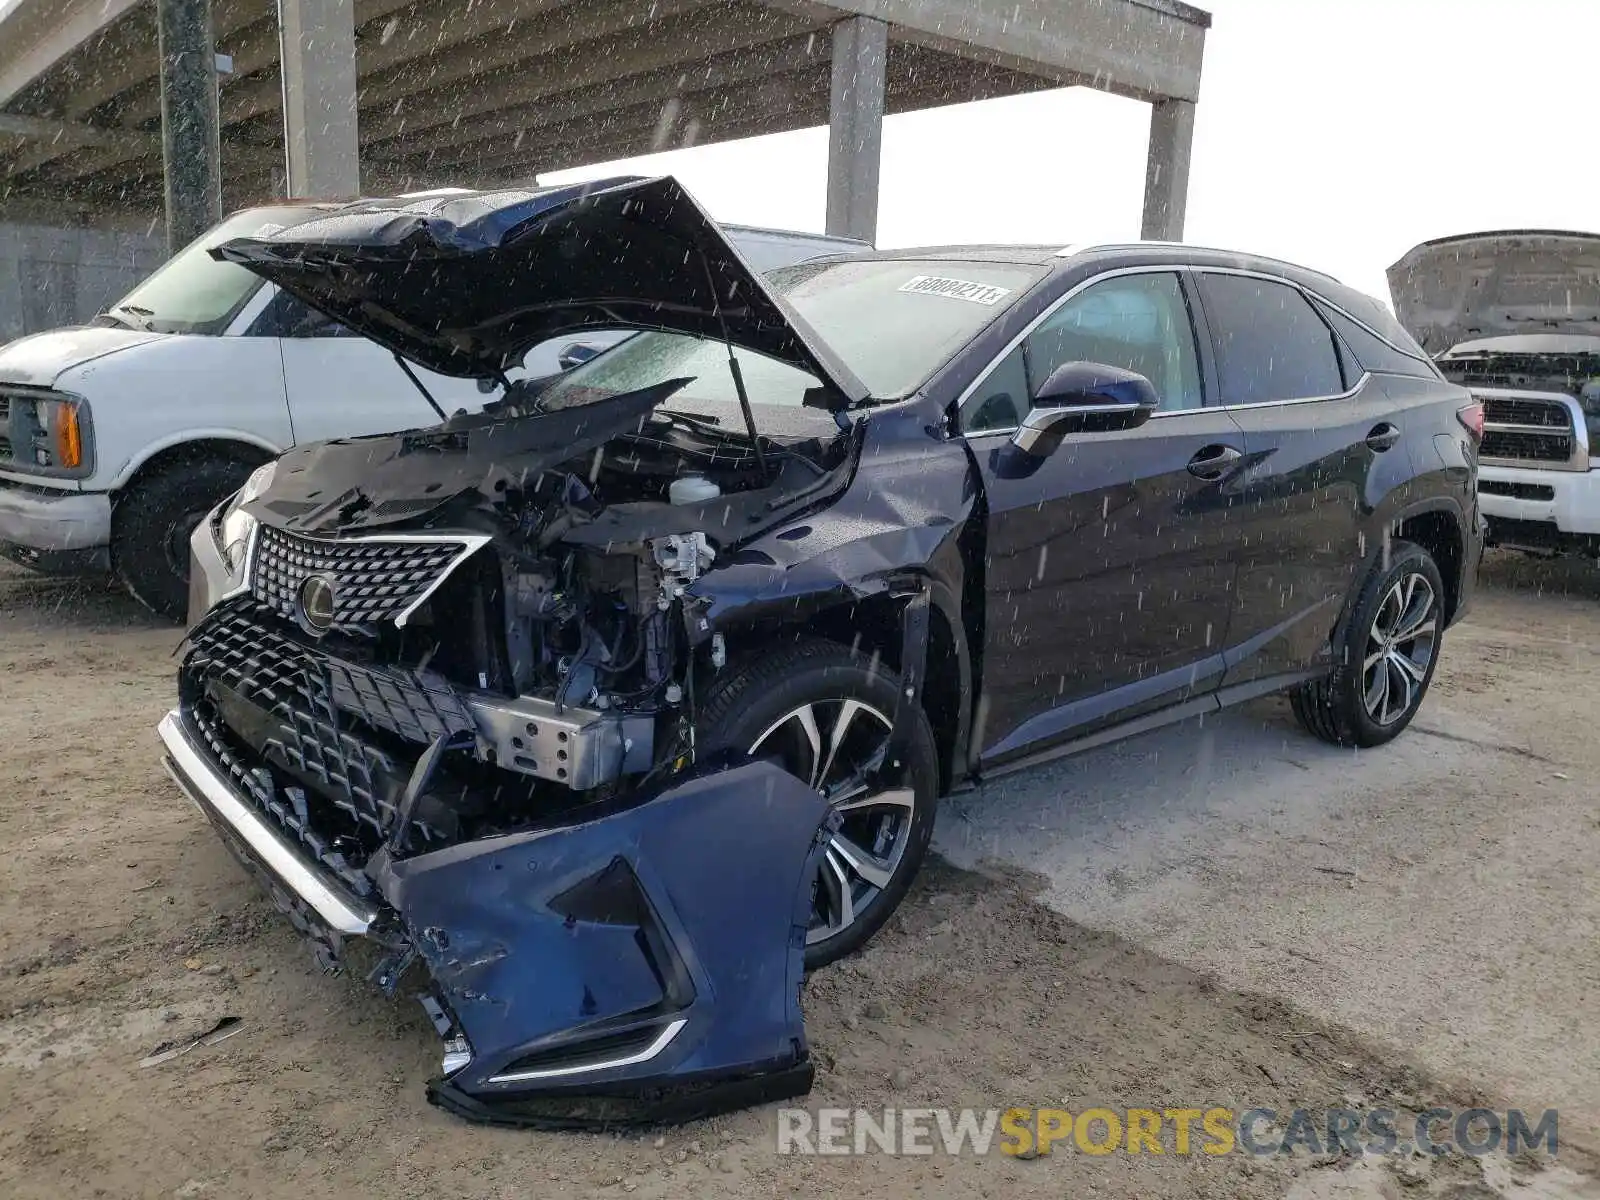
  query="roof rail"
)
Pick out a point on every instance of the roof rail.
point(1070, 251)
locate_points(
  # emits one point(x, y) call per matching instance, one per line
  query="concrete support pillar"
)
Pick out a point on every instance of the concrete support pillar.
point(190, 152)
point(318, 43)
point(1166, 175)
point(855, 126)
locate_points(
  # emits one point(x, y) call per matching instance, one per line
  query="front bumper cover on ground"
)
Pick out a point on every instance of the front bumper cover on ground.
point(642, 966)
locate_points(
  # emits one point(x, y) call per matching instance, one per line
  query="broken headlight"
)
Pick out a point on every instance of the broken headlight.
point(233, 527)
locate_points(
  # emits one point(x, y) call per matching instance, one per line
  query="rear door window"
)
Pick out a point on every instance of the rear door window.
point(1271, 344)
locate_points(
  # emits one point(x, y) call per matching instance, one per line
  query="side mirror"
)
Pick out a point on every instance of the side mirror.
point(1084, 397)
point(576, 354)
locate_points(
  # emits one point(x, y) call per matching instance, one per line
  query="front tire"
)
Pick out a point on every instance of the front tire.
point(1387, 655)
point(823, 712)
point(152, 523)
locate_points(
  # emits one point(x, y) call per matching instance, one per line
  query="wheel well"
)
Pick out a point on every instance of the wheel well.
point(1439, 533)
point(873, 628)
point(185, 453)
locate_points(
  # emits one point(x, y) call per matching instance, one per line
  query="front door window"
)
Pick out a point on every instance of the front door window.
point(1137, 322)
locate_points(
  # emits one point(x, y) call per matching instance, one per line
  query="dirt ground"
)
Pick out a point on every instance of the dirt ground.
point(1174, 922)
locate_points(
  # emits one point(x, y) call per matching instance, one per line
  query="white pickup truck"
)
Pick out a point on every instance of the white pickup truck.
point(1515, 317)
point(117, 437)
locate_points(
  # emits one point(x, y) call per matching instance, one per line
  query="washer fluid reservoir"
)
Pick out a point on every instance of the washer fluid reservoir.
point(692, 489)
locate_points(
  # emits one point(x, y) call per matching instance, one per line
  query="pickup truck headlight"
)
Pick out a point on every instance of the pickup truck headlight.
point(1589, 401)
point(232, 526)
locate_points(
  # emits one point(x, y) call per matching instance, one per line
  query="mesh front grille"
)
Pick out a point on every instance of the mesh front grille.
point(416, 705)
point(373, 581)
point(287, 807)
point(286, 720)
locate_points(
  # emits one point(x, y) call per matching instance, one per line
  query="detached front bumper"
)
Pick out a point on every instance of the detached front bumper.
point(267, 852)
point(642, 966)
point(53, 529)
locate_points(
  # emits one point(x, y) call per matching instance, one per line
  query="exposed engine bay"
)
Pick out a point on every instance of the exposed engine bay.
point(1571, 372)
point(545, 662)
point(590, 621)
point(596, 624)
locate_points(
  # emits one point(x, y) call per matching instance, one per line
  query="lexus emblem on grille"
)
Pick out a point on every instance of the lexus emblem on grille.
point(315, 607)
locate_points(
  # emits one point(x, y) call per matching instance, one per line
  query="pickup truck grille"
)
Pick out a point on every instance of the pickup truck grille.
point(1521, 444)
point(1530, 431)
point(374, 579)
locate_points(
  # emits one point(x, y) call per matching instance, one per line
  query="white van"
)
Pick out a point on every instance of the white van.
point(117, 437)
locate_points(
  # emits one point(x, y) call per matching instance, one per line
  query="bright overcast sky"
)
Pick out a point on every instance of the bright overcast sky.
point(1335, 133)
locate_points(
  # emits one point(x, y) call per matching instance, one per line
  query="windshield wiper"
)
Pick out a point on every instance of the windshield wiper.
point(690, 418)
point(117, 313)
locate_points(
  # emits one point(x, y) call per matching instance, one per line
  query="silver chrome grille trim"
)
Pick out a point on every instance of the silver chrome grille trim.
point(188, 766)
point(661, 1041)
point(1550, 422)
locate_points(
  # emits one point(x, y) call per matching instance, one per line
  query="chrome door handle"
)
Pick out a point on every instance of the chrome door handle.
point(1212, 462)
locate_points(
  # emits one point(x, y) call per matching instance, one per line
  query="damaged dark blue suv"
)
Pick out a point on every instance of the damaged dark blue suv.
point(615, 706)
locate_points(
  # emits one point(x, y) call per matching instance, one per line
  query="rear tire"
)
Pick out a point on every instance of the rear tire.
point(1386, 654)
point(151, 525)
point(817, 696)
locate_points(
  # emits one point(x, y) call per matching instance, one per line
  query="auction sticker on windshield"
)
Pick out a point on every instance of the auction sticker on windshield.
point(956, 289)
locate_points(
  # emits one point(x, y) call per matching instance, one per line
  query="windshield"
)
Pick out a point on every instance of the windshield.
point(193, 292)
point(893, 322)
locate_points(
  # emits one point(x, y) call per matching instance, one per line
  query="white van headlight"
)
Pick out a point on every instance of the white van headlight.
point(49, 434)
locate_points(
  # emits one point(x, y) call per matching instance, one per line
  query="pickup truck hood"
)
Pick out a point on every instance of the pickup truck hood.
point(42, 358)
point(465, 285)
point(1485, 285)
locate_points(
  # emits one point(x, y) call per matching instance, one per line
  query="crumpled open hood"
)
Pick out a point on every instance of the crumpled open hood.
point(1482, 285)
point(387, 479)
point(465, 285)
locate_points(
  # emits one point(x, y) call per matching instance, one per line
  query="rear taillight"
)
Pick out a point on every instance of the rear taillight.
point(1471, 418)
